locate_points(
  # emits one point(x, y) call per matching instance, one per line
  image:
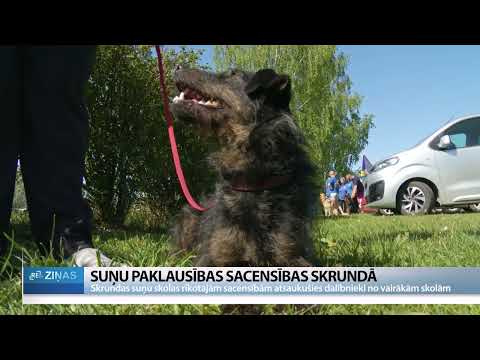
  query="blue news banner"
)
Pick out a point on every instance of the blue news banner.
point(176, 285)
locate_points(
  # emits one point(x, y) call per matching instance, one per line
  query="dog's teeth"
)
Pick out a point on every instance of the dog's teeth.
point(182, 96)
point(209, 103)
point(201, 102)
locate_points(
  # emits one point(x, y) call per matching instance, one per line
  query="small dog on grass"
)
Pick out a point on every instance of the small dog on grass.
point(328, 209)
point(266, 196)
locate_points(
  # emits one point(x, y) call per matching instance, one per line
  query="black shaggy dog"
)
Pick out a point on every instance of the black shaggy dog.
point(265, 197)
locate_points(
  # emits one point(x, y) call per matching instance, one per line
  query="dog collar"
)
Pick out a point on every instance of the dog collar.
point(240, 183)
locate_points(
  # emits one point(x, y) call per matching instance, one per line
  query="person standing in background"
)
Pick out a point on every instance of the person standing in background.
point(44, 123)
point(331, 189)
point(357, 192)
point(344, 197)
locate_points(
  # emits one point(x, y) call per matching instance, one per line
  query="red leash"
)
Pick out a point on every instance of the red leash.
point(171, 135)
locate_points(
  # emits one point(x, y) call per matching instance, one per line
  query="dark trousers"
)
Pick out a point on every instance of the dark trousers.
point(355, 206)
point(44, 124)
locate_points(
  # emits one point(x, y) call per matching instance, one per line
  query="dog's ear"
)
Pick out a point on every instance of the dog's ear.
point(272, 88)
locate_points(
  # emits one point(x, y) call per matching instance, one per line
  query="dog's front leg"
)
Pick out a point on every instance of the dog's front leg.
point(185, 231)
point(204, 261)
point(300, 262)
point(287, 252)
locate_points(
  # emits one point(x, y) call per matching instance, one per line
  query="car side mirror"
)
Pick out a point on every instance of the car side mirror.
point(445, 142)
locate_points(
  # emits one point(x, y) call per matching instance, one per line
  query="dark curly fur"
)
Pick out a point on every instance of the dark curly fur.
point(258, 140)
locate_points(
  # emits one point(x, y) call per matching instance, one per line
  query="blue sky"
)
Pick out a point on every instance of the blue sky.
point(411, 90)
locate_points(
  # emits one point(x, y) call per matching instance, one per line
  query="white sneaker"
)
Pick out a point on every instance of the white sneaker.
point(89, 257)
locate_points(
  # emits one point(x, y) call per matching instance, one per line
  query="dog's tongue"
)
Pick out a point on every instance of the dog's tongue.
point(192, 94)
point(188, 93)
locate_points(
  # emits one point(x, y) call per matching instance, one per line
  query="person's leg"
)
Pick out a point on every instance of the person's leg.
point(55, 143)
point(361, 203)
point(341, 206)
point(347, 205)
point(10, 116)
point(355, 205)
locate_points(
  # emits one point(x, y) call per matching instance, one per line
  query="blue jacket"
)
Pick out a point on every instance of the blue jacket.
point(343, 192)
point(331, 186)
point(349, 187)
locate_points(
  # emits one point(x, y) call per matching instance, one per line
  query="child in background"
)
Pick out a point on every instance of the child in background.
point(343, 197)
point(331, 189)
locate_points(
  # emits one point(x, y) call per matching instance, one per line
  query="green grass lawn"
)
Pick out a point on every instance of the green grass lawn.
point(361, 240)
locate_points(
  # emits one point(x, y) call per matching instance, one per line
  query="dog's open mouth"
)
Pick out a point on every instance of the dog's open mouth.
point(192, 95)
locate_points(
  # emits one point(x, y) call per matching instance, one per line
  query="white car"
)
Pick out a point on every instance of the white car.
point(443, 170)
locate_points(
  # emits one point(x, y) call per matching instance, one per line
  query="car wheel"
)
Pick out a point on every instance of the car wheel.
point(473, 208)
point(415, 198)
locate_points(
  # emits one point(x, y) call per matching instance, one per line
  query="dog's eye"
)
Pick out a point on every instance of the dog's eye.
point(233, 72)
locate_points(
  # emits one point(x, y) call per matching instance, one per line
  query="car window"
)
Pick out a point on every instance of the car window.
point(465, 133)
point(459, 140)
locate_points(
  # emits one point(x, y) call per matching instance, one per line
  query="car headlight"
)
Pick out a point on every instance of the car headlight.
point(385, 163)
